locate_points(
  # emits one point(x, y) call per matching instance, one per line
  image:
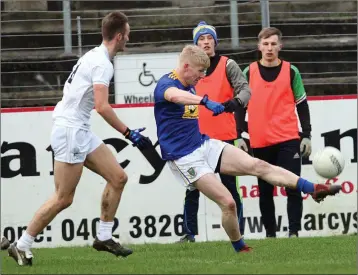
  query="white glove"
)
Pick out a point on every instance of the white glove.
point(242, 144)
point(305, 147)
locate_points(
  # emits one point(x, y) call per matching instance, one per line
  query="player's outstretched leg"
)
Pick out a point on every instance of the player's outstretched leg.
point(211, 187)
point(66, 177)
point(237, 162)
point(103, 162)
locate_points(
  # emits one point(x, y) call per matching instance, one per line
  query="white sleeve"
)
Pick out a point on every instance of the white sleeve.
point(102, 74)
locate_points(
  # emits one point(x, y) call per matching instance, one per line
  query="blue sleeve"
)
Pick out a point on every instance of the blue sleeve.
point(163, 84)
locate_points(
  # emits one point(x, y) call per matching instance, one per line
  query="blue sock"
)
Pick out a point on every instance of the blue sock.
point(305, 186)
point(238, 244)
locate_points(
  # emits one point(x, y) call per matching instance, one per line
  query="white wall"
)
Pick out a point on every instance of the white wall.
point(163, 197)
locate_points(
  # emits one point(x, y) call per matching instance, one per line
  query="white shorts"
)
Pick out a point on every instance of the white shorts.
point(193, 166)
point(72, 145)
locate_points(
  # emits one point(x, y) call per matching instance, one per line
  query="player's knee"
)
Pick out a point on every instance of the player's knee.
point(229, 205)
point(64, 202)
point(119, 180)
point(122, 179)
point(260, 167)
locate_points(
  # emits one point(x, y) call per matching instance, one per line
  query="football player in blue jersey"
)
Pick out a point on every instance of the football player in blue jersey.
point(194, 158)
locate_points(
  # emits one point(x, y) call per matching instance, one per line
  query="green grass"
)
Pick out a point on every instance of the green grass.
point(325, 255)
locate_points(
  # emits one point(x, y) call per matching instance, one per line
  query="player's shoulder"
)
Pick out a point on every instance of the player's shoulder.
point(227, 59)
point(230, 63)
point(253, 64)
point(169, 78)
point(246, 69)
point(294, 71)
point(172, 76)
point(294, 68)
point(96, 57)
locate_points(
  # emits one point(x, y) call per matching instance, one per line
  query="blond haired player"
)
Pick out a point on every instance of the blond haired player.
point(194, 158)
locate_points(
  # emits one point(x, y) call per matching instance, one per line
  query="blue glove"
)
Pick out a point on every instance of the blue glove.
point(213, 106)
point(138, 140)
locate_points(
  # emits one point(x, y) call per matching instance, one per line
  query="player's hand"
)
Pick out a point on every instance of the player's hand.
point(232, 105)
point(305, 147)
point(242, 144)
point(213, 106)
point(138, 140)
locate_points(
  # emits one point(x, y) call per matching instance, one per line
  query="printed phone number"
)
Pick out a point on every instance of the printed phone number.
point(149, 226)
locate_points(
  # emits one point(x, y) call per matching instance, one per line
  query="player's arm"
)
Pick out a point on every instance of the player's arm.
point(104, 109)
point(301, 102)
point(240, 112)
point(169, 92)
point(242, 93)
point(237, 80)
point(179, 96)
point(302, 110)
point(101, 76)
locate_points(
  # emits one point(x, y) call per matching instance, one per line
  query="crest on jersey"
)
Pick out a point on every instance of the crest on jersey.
point(191, 172)
point(191, 111)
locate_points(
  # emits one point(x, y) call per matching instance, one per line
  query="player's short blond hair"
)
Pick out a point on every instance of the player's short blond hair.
point(195, 55)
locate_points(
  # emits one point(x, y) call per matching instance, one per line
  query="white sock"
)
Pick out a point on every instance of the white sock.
point(105, 230)
point(25, 242)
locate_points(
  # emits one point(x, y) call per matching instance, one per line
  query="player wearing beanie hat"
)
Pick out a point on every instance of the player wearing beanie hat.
point(224, 81)
point(204, 28)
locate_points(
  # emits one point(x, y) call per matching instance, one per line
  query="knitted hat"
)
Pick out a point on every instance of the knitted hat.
point(204, 28)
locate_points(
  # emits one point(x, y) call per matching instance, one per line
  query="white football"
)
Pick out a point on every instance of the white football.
point(328, 162)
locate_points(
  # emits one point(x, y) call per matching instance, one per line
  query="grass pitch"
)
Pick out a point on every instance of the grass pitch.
point(320, 255)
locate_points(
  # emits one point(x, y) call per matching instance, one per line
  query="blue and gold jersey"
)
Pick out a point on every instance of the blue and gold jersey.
point(177, 124)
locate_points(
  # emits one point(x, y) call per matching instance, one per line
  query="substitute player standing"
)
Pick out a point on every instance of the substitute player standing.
point(194, 158)
point(75, 146)
point(223, 80)
point(277, 92)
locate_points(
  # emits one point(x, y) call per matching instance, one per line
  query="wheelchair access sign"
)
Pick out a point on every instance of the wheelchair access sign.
point(146, 78)
point(136, 75)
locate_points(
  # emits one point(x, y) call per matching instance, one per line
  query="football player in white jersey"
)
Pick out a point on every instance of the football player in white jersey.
point(75, 146)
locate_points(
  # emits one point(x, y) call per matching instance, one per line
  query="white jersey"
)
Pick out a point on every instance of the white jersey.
point(74, 110)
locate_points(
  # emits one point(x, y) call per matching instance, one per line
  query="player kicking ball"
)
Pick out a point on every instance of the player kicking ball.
point(194, 158)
